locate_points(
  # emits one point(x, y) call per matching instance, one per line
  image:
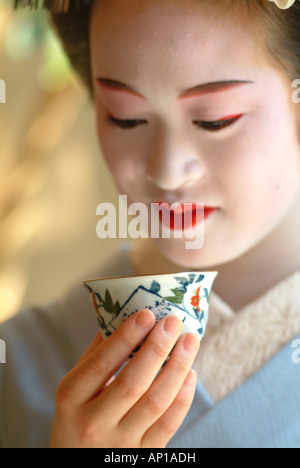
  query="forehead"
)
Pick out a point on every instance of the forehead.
point(184, 40)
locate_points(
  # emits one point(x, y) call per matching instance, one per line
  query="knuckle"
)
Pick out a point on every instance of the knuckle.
point(168, 428)
point(128, 386)
point(158, 349)
point(100, 366)
point(183, 401)
point(155, 403)
point(126, 339)
point(180, 367)
point(88, 432)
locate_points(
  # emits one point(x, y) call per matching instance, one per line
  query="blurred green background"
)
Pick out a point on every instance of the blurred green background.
point(52, 173)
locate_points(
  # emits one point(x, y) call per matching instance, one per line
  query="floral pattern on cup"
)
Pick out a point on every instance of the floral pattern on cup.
point(184, 294)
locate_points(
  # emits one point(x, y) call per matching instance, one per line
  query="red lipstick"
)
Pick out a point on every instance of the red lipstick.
point(180, 214)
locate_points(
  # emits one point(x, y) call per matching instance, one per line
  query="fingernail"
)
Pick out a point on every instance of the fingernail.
point(191, 343)
point(144, 319)
point(171, 325)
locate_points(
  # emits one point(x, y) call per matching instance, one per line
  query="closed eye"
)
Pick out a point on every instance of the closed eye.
point(217, 125)
point(124, 124)
point(212, 126)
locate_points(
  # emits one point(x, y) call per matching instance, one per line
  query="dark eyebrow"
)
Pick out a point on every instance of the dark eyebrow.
point(200, 89)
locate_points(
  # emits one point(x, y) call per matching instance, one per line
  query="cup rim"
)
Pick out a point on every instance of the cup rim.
point(149, 275)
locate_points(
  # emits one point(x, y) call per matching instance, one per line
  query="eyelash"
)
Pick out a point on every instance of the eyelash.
point(214, 126)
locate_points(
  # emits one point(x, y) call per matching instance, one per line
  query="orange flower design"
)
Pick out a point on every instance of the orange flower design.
point(196, 299)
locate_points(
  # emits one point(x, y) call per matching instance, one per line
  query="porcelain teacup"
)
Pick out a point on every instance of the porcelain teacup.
point(185, 295)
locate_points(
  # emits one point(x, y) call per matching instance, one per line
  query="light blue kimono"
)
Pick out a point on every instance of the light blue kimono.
point(44, 342)
point(263, 412)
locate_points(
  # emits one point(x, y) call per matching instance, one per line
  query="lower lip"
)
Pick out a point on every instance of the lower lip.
point(197, 216)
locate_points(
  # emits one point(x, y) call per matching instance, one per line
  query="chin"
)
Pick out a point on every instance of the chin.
point(205, 258)
point(188, 259)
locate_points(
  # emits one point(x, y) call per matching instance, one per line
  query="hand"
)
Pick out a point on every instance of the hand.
point(138, 408)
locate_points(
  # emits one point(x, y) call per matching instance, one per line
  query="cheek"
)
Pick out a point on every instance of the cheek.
point(120, 161)
point(259, 175)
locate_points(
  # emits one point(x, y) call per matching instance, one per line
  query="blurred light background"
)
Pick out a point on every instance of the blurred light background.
point(52, 173)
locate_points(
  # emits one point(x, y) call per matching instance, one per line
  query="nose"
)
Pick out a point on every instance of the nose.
point(173, 163)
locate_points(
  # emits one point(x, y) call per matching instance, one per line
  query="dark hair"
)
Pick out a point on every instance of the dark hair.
point(73, 30)
point(279, 30)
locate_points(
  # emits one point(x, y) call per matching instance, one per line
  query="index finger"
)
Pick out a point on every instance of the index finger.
point(89, 376)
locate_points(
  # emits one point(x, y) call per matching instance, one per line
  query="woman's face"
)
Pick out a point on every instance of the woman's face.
point(231, 143)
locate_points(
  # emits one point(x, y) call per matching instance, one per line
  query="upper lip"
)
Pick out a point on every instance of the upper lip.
point(206, 206)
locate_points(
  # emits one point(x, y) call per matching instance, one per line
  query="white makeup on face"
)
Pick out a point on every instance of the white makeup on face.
point(229, 142)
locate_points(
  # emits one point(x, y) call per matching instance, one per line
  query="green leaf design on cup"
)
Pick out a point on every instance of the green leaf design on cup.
point(178, 297)
point(109, 305)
